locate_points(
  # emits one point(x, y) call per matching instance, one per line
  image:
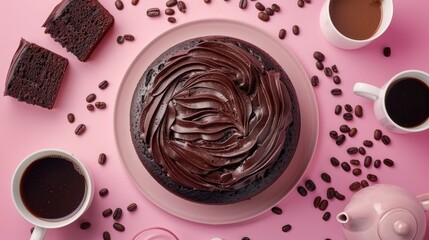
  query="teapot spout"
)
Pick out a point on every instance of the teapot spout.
point(356, 219)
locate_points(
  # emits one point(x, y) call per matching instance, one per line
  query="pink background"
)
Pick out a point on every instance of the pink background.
point(25, 128)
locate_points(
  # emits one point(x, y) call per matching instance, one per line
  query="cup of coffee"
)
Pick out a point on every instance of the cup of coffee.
point(351, 24)
point(51, 189)
point(402, 104)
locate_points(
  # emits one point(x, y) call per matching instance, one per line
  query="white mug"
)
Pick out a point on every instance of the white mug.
point(41, 224)
point(378, 95)
point(337, 39)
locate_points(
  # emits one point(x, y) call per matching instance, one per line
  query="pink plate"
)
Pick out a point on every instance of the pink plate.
point(217, 214)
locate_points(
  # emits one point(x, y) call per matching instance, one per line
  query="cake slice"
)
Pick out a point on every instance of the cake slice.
point(79, 26)
point(35, 75)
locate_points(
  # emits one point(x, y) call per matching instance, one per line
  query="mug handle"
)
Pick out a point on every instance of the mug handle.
point(366, 90)
point(424, 200)
point(38, 233)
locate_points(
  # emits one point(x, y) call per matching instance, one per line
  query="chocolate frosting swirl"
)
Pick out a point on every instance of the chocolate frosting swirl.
point(214, 118)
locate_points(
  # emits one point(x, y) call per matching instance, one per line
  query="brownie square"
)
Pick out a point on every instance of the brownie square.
point(35, 75)
point(79, 26)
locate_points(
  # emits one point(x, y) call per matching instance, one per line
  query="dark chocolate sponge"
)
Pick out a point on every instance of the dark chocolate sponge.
point(79, 26)
point(251, 189)
point(35, 75)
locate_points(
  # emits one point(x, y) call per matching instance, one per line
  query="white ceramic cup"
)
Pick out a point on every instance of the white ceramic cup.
point(337, 39)
point(41, 225)
point(378, 95)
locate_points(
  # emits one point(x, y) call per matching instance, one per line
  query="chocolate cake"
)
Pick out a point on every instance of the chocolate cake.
point(79, 26)
point(35, 75)
point(215, 120)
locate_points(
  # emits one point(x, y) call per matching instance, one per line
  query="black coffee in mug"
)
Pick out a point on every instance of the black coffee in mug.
point(51, 188)
point(407, 102)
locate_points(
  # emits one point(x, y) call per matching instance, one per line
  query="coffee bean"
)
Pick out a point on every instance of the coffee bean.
point(245, 238)
point(319, 65)
point(354, 162)
point(388, 162)
point(295, 29)
point(282, 35)
point(169, 11)
point(269, 11)
point(91, 97)
point(181, 6)
point(357, 171)
point(120, 39)
point(340, 140)
point(364, 183)
point(336, 80)
point(316, 201)
point(334, 68)
point(302, 191)
point(80, 129)
point(358, 111)
point(348, 116)
point(326, 216)
point(102, 158)
point(117, 214)
point(103, 192)
point(242, 4)
point(348, 108)
point(330, 193)
point(387, 51)
point(327, 71)
point(90, 107)
point(70, 118)
point(339, 196)
point(333, 134)
point(338, 109)
point(286, 228)
point(323, 205)
point(85, 225)
point(276, 210)
point(377, 163)
point(325, 177)
point(301, 3)
point(153, 12)
point(368, 161)
point(377, 134)
point(345, 166)
point(352, 150)
point(106, 235)
point(344, 128)
point(264, 16)
point(336, 92)
point(119, 4)
point(132, 207)
point(107, 212)
point(260, 6)
point(314, 81)
point(385, 140)
point(309, 184)
point(355, 186)
point(129, 37)
point(207, 1)
point(171, 3)
point(319, 56)
point(362, 151)
point(334, 162)
point(275, 7)
point(372, 177)
point(307, 1)
point(103, 84)
point(119, 227)
point(100, 105)
point(171, 19)
point(368, 143)
point(134, 2)
point(353, 132)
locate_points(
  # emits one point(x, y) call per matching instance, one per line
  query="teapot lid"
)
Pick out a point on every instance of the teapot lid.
point(397, 224)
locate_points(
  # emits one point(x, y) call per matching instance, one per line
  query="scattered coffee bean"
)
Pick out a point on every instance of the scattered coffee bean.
point(90, 107)
point(70, 117)
point(336, 92)
point(339, 196)
point(348, 108)
point(107, 212)
point(134, 2)
point(307, 1)
point(358, 111)
point(387, 51)
point(242, 4)
point(323, 205)
point(336, 80)
point(171, 19)
point(330, 193)
point(354, 162)
point(345, 166)
point(171, 3)
point(316, 201)
point(153, 12)
point(327, 71)
point(103, 192)
point(340, 140)
point(119, 227)
point(120, 39)
point(385, 140)
point(260, 6)
point(388, 162)
point(348, 116)
point(377, 163)
point(264, 16)
point(302, 191)
point(129, 37)
point(300, 3)
point(117, 214)
point(362, 151)
point(357, 171)
point(335, 162)
point(333, 134)
point(355, 186)
point(295, 29)
point(314, 81)
point(368, 143)
point(245, 238)
point(286, 228)
point(102, 158)
point(276, 210)
point(352, 150)
point(334, 68)
point(325, 177)
point(132, 207)
point(319, 65)
point(169, 11)
point(85, 225)
point(207, 1)
point(344, 128)
point(309, 184)
point(326, 216)
point(364, 183)
point(319, 56)
point(100, 105)
point(181, 6)
point(338, 109)
point(282, 35)
point(377, 134)
point(103, 84)
point(269, 11)
point(106, 235)
point(372, 177)
point(91, 97)
point(119, 4)
point(275, 7)
point(368, 161)
point(353, 132)
point(80, 129)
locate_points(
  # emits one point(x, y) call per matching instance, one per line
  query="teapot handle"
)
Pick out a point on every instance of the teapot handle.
point(424, 200)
